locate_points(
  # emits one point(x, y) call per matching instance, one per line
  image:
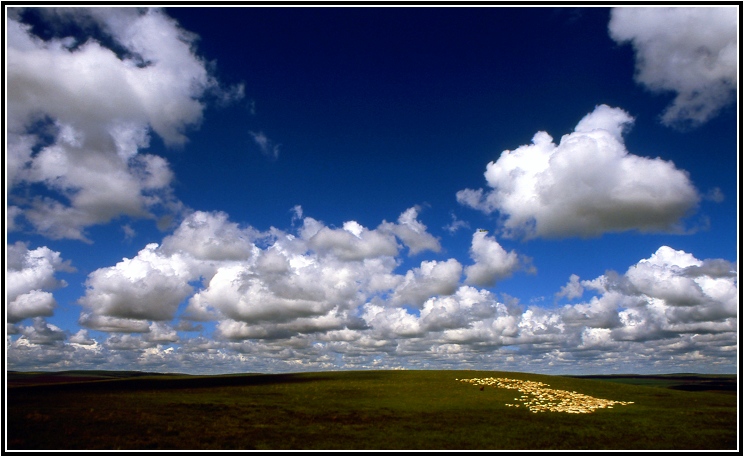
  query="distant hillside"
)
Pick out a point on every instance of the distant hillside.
point(21, 378)
point(678, 381)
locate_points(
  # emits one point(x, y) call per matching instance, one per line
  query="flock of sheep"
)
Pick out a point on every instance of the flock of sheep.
point(538, 398)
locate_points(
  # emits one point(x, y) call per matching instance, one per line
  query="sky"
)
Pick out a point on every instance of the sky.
point(281, 189)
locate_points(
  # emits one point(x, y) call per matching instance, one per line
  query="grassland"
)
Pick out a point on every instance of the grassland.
point(361, 410)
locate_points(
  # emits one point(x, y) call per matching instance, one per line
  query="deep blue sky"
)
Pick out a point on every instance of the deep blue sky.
point(365, 113)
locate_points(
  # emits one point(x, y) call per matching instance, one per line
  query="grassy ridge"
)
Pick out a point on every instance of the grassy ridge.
point(396, 410)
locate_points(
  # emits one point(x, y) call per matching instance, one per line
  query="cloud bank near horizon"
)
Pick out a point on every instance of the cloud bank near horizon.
point(328, 298)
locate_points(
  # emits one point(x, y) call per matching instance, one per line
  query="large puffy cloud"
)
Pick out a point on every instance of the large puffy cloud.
point(691, 51)
point(304, 291)
point(470, 316)
point(586, 185)
point(263, 285)
point(42, 333)
point(430, 279)
point(311, 283)
point(210, 236)
point(671, 295)
point(147, 286)
point(680, 296)
point(79, 114)
point(30, 275)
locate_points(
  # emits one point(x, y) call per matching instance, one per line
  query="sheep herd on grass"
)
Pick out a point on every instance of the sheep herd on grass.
point(539, 398)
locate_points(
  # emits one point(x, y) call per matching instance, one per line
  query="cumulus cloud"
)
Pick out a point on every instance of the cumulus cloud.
point(29, 276)
point(355, 242)
point(470, 316)
point(80, 114)
point(678, 284)
point(412, 232)
point(586, 185)
point(573, 289)
point(42, 333)
point(161, 333)
point(492, 262)
point(671, 294)
point(430, 279)
point(147, 286)
point(285, 304)
point(688, 50)
point(263, 285)
point(82, 338)
point(210, 236)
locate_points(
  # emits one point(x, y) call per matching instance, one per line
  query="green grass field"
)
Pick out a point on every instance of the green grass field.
point(360, 410)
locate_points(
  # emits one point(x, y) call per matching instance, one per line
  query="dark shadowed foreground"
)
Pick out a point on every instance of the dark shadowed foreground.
point(385, 410)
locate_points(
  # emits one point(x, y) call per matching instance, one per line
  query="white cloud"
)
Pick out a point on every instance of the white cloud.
point(29, 276)
point(607, 331)
point(715, 195)
point(681, 286)
point(353, 242)
point(412, 232)
point(391, 323)
point(688, 50)
point(79, 115)
point(660, 276)
point(586, 185)
point(113, 324)
point(470, 316)
point(596, 338)
point(306, 291)
point(128, 343)
point(32, 303)
point(42, 333)
point(82, 338)
point(161, 333)
point(11, 214)
point(146, 287)
point(668, 295)
point(129, 232)
point(573, 289)
point(598, 312)
point(456, 224)
point(492, 262)
point(431, 279)
point(210, 236)
point(151, 285)
point(268, 148)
